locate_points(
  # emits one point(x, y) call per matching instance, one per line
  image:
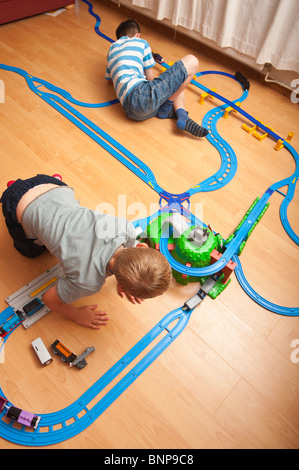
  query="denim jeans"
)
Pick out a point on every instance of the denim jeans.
point(146, 98)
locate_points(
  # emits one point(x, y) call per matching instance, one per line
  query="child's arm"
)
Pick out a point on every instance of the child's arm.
point(149, 73)
point(85, 316)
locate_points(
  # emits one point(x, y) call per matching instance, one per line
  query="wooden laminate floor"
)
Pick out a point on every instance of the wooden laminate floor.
point(228, 380)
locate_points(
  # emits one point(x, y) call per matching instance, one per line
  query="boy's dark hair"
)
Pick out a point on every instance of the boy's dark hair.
point(127, 28)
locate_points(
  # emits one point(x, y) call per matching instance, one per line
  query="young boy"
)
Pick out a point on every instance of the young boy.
point(42, 212)
point(129, 66)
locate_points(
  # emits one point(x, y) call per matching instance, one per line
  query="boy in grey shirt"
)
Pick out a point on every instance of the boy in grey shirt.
point(41, 212)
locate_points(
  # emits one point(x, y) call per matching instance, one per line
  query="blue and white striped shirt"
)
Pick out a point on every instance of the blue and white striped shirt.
point(126, 61)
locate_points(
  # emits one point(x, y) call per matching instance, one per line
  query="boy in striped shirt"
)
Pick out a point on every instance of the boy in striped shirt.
point(130, 65)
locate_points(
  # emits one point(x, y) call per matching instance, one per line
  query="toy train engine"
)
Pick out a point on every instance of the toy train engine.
point(20, 416)
point(18, 316)
point(9, 324)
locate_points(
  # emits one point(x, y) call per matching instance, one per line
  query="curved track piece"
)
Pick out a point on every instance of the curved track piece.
point(98, 21)
point(229, 162)
point(290, 182)
point(288, 311)
point(55, 427)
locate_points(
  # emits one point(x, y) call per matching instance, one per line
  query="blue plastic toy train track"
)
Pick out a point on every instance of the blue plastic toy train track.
point(68, 422)
point(286, 311)
point(98, 21)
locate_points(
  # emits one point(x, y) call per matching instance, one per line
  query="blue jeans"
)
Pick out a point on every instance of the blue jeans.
point(146, 98)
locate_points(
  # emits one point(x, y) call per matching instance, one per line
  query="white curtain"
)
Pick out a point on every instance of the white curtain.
point(266, 30)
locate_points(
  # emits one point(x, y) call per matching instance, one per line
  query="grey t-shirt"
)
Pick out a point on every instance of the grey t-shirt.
point(82, 240)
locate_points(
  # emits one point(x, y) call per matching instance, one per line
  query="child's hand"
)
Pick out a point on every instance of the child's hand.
point(132, 299)
point(92, 318)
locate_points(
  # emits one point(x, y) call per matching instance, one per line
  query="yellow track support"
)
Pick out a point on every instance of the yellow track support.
point(280, 143)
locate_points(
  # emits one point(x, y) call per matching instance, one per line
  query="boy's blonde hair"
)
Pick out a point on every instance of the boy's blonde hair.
point(142, 272)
